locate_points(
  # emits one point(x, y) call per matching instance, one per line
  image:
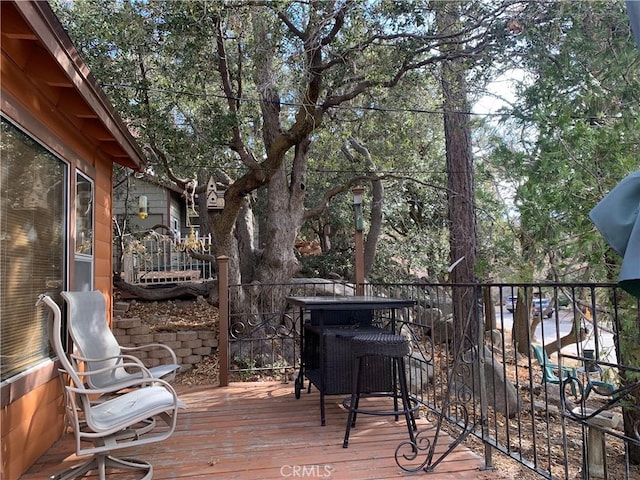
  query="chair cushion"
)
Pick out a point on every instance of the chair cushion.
point(122, 410)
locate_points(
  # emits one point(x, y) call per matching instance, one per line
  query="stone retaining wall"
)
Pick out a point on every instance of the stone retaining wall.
point(190, 346)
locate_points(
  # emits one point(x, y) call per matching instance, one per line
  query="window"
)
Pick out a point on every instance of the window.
point(83, 272)
point(32, 246)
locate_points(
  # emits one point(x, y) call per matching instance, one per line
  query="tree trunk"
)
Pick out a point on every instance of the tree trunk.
point(207, 290)
point(285, 214)
point(246, 237)
point(375, 226)
point(377, 200)
point(535, 321)
point(489, 310)
point(520, 329)
point(224, 237)
point(283, 221)
point(577, 334)
point(460, 181)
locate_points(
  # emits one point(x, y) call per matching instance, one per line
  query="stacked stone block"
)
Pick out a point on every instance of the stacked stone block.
point(190, 346)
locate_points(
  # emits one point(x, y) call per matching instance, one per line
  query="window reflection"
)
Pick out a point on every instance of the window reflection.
point(84, 215)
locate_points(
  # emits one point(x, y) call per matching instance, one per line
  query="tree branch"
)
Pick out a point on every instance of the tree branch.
point(237, 144)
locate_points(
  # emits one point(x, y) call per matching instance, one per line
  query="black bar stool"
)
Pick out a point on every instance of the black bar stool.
point(394, 347)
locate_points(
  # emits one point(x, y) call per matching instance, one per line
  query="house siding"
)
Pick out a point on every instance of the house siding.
point(164, 205)
point(30, 425)
point(177, 225)
point(37, 416)
point(34, 419)
point(56, 102)
point(103, 247)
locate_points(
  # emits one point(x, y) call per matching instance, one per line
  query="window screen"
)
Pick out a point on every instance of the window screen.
point(32, 246)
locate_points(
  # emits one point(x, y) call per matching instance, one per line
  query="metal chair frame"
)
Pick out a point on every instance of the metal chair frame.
point(120, 421)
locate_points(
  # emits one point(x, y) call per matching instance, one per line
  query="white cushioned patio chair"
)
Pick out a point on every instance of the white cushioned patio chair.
point(99, 349)
point(120, 421)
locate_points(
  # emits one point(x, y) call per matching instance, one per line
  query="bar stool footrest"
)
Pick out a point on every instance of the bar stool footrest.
point(346, 403)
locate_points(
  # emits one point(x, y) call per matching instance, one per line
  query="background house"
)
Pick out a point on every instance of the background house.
point(60, 139)
point(152, 247)
point(165, 205)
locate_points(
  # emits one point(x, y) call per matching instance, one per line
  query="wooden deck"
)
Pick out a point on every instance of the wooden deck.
point(260, 431)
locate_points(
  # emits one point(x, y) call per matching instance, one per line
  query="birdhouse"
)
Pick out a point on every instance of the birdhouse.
point(215, 198)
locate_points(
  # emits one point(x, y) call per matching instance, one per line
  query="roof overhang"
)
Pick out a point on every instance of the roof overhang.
point(35, 41)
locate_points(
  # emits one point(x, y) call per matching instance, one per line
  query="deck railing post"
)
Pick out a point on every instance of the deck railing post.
point(359, 240)
point(223, 318)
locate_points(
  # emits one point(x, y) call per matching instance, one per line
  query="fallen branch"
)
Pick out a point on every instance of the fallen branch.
point(207, 289)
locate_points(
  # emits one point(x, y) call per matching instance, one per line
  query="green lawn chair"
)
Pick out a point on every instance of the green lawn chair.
point(551, 370)
point(605, 389)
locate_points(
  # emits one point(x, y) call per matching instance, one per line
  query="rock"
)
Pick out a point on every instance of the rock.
point(501, 393)
point(200, 300)
point(120, 309)
point(493, 337)
point(437, 326)
point(419, 368)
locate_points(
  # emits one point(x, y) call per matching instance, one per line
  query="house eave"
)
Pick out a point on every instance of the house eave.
point(32, 27)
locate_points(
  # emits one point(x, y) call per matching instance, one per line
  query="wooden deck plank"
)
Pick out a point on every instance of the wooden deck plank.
point(251, 431)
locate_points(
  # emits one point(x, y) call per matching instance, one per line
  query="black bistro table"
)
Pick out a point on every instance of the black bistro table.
point(327, 323)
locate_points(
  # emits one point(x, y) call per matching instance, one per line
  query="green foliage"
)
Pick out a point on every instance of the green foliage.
point(151, 59)
point(407, 148)
point(338, 262)
point(579, 124)
point(158, 62)
point(629, 336)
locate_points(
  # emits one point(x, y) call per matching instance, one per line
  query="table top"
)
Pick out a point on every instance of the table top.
point(349, 303)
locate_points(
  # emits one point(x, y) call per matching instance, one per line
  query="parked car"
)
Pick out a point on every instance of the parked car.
point(542, 306)
point(510, 303)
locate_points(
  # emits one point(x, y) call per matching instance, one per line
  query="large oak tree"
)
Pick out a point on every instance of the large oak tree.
point(242, 88)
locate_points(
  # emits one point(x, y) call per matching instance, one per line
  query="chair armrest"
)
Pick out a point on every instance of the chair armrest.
point(604, 389)
point(133, 362)
point(112, 388)
point(131, 358)
point(152, 345)
point(128, 384)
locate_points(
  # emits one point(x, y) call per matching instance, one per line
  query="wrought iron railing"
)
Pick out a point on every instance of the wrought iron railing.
point(484, 386)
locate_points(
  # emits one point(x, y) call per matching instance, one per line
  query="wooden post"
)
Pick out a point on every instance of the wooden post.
point(223, 318)
point(359, 240)
point(359, 263)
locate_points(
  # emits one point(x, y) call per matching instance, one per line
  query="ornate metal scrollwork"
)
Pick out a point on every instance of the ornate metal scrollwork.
point(427, 440)
point(269, 325)
point(455, 411)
